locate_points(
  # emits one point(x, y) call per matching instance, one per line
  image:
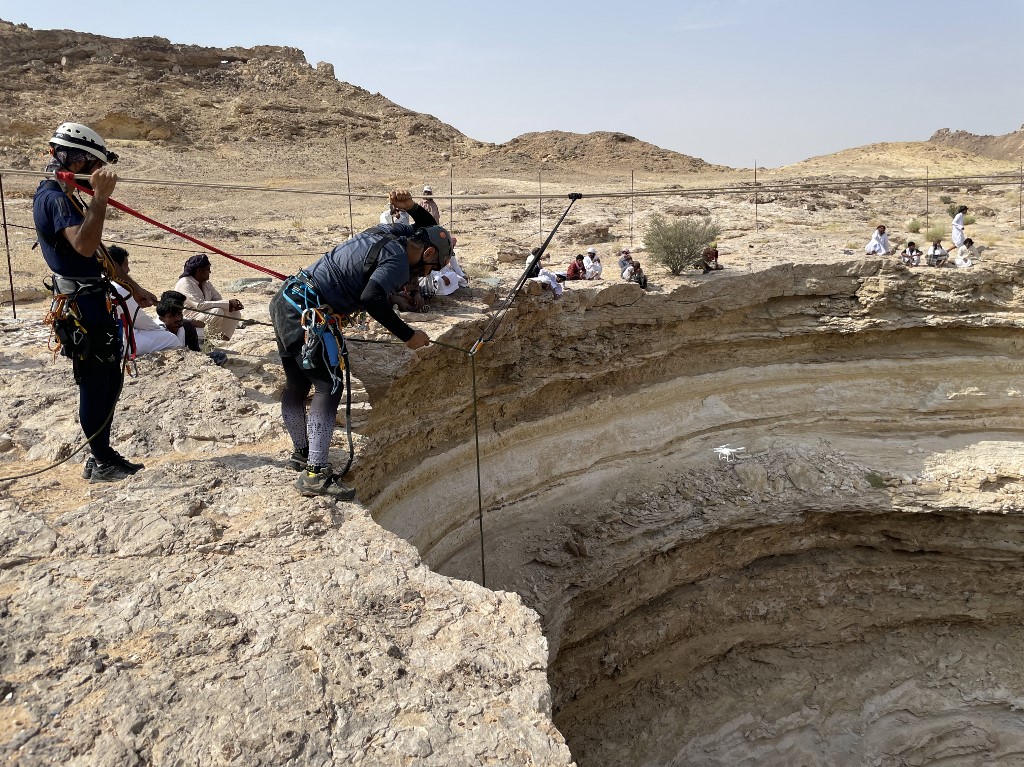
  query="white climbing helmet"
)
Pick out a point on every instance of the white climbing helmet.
point(78, 136)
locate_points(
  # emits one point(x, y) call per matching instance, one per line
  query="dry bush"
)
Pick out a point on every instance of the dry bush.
point(679, 245)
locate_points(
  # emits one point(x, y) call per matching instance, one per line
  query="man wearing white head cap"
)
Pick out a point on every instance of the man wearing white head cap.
point(428, 204)
point(592, 263)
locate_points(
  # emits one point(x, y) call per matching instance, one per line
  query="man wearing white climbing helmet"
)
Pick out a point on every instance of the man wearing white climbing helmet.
point(429, 205)
point(358, 274)
point(69, 235)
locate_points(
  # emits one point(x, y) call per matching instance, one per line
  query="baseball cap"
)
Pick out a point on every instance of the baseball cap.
point(428, 190)
point(441, 240)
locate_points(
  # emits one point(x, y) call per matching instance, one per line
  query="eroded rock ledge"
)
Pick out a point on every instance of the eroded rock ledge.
point(846, 592)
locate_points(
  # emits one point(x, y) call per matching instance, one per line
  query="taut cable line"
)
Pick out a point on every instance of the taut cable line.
point(7, 244)
point(995, 179)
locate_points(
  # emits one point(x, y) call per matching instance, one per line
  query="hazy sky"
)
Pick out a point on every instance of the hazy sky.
point(729, 81)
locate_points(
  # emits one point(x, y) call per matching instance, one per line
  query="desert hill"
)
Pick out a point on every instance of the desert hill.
point(191, 97)
point(1008, 147)
point(900, 158)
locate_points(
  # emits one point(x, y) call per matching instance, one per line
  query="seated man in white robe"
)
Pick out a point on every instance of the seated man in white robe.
point(149, 336)
point(878, 245)
point(592, 263)
point(966, 254)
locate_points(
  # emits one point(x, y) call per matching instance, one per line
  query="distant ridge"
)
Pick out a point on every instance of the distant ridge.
point(1007, 147)
point(187, 96)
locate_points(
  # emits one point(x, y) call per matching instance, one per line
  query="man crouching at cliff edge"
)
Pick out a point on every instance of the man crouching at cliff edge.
point(360, 273)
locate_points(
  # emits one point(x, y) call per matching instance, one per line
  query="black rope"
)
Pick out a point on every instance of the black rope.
point(491, 328)
point(7, 244)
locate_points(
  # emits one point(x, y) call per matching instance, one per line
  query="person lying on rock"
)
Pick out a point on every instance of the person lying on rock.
point(444, 281)
point(911, 256)
point(221, 315)
point(359, 274)
point(966, 254)
point(410, 298)
point(170, 312)
point(150, 336)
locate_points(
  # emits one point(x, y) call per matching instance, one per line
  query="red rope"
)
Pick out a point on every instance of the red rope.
point(69, 178)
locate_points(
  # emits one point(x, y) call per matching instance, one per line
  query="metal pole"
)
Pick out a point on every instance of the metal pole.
point(7, 244)
point(632, 208)
point(927, 201)
point(540, 208)
point(755, 197)
point(1020, 199)
point(451, 199)
point(348, 180)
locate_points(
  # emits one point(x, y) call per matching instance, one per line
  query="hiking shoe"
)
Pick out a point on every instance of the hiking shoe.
point(298, 459)
point(88, 466)
point(108, 472)
point(320, 480)
point(130, 466)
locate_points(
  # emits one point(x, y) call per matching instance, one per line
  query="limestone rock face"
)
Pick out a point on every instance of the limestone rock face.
point(201, 612)
point(781, 607)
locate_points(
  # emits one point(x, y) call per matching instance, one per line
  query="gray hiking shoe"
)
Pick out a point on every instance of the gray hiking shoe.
point(87, 467)
point(109, 472)
point(320, 480)
point(299, 459)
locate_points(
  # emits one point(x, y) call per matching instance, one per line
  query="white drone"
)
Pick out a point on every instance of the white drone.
point(728, 453)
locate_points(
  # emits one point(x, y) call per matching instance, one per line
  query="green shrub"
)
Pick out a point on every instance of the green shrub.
point(936, 233)
point(969, 219)
point(913, 226)
point(679, 244)
point(945, 199)
point(875, 480)
point(952, 209)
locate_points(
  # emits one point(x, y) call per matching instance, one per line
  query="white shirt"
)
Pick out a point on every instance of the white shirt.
point(879, 244)
point(142, 321)
point(401, 218)
point(958, 229)
point(965, 255)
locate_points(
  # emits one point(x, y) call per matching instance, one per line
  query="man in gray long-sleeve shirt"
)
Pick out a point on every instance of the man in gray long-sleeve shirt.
point(358, 274)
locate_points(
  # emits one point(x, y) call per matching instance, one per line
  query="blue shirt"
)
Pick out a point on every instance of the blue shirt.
point(339, 273)
point(53, 212)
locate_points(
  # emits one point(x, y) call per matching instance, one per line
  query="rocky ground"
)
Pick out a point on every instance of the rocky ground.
point(846, 592)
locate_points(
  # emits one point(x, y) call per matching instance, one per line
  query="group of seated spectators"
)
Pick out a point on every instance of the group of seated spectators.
point(180, 310)
point(963, 257)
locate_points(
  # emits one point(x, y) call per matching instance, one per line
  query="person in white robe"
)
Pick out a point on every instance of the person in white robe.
point(966, 254)
point(592, 264)
point(878, 245)
point(958, 227)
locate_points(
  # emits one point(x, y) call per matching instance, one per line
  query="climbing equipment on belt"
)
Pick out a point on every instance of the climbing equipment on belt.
point(69, 335)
